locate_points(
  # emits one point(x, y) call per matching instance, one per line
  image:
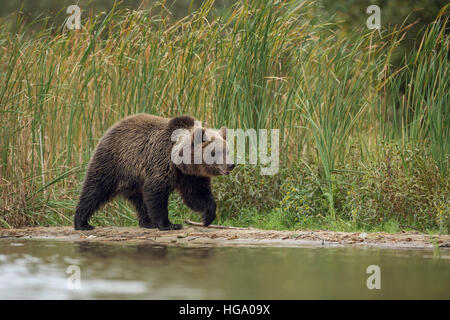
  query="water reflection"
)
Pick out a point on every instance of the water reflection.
point(37, 270)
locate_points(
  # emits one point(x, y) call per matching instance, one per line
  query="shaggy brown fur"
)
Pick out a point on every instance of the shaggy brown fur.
point(134, 159)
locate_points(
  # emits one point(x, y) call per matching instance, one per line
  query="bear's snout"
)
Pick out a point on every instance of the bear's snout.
point(228, 169)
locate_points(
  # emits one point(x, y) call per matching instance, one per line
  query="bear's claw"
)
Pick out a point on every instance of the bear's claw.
point(207, 220)
point(172, 226)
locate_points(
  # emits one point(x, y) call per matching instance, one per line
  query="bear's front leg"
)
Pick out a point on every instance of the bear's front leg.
point(156, 200)
point(209, 212)
point(198, 196)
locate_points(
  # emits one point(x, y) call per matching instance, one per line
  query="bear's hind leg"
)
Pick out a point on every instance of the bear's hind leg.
point(144, 218)
point(92, 197)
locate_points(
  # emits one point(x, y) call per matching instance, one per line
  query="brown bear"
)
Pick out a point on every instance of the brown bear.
point(135, 159)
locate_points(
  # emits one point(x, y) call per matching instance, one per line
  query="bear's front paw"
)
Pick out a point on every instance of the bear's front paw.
point(208, 219)
point(172, 226)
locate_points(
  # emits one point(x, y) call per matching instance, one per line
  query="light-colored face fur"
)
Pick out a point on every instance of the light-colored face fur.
point(204, 152)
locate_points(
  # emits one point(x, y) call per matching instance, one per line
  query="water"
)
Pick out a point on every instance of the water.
point(36, 269)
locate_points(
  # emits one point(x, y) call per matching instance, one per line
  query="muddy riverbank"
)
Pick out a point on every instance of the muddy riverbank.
point(201, 236)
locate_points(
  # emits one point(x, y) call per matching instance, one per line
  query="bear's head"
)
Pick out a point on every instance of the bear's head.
point(201, 151)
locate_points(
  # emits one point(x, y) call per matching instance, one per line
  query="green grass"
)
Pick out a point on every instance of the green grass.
point(364, 145)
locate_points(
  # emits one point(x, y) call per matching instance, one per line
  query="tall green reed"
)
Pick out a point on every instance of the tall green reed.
point(420, 94)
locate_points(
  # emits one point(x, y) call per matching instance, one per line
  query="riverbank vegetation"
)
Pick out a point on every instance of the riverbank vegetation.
point(363, 142)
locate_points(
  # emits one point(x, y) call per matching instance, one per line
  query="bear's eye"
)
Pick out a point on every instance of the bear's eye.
point(213, 153)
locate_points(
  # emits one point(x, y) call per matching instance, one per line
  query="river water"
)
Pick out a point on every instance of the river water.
point(43, 269)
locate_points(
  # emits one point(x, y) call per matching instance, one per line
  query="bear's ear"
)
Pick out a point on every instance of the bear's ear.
point(181, 122)
point(223, 132)
point(198, 135)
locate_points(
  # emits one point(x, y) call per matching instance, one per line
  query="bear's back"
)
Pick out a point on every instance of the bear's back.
point(134, 146)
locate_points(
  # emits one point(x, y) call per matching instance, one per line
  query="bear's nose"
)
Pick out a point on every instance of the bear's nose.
point(231, 166)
